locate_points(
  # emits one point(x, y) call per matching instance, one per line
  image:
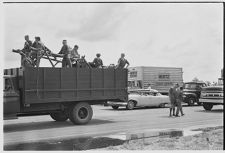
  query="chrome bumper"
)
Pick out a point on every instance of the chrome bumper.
point(216, 101)
point(116, 103)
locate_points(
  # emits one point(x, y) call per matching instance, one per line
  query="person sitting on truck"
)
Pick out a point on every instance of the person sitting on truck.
point(97, 62)
point(37, 48)
point(122, 62)
point(65, 50)
point(74, 52)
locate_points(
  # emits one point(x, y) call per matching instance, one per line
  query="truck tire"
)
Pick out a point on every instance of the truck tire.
point(191, 101)
point(207, 106)
point(162, 105)
point(115, 107)
point(130, 105)
point(59, 116)
point(80, 113)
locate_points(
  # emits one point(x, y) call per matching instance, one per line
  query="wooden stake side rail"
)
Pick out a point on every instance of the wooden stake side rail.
point(73, 84)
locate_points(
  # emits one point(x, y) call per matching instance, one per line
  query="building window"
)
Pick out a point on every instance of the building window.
point(164, 76)
point(133, 74)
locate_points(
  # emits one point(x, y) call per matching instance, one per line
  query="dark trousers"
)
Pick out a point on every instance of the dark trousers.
point(66, 62)
point(179, 107)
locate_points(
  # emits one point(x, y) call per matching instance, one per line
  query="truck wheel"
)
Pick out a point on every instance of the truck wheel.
point(199, 104)
point(59, 116)
point(115, 107)
point(163, 105)
point(191, 101)
point(80, 113)
point(130, 105)
point(207, 106)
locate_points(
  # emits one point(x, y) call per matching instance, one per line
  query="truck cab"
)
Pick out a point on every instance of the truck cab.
point(192, 92)
point(11, 97)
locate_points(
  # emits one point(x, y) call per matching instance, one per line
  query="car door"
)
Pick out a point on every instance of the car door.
point(147, 99)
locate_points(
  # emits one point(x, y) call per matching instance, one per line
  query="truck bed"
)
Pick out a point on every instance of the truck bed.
point(49, 85)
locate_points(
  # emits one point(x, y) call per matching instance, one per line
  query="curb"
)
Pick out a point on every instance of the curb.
point(147, 134)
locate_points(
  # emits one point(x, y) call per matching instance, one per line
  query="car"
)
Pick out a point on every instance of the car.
point(210, 96)
point(192, 92)
point(142, 98)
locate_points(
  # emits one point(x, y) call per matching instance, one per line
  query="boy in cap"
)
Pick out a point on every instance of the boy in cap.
point(98, 61)
point(122, 62)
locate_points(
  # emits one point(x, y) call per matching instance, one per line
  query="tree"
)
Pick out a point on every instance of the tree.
point(195, 79)
point(208, 83)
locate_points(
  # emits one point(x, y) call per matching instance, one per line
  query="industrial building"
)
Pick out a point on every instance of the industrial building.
point(159, 78)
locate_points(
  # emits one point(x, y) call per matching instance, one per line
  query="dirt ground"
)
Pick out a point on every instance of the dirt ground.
point(209, 139)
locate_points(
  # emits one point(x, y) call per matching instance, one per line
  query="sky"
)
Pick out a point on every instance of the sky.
point(186, 35)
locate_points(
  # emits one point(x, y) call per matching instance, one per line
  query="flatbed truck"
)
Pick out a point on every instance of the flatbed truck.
point(63, 93)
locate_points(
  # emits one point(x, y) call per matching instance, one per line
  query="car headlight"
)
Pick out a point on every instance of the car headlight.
point(203, 95)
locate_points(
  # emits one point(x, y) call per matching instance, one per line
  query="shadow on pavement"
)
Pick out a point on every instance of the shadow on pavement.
point(84, 143)
point(47, 125)
point(212, 111)
point(137, 108)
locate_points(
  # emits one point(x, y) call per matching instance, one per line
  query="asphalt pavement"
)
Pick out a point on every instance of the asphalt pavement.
point(108, 121)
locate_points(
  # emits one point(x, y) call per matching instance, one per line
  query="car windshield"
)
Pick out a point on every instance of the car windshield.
point(190, 86)
point(194, 86)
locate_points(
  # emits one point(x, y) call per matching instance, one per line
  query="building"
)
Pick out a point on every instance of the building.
point(220, 80)
point(159, 78)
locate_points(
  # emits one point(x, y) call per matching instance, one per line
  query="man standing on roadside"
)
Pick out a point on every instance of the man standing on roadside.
point(179, 101)
point(172, 96)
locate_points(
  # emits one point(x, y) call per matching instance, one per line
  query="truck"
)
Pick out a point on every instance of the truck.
point(192, 92)
point(63, 93)
point(158, 78)
point(210, 96)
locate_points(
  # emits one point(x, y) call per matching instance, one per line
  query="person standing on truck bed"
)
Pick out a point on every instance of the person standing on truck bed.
point(122, 62)
point(98, 61)
point(37, 48)
point(26, 50)
point(65, 50)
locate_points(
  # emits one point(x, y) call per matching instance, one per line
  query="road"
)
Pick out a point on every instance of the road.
point(108, 121)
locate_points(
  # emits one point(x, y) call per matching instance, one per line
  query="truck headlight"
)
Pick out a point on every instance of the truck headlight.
point(203, 95)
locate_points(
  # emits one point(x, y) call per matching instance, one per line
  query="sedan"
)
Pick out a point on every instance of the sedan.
point(142, 98)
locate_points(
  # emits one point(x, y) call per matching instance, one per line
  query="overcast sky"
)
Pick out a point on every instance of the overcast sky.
point(153, 34)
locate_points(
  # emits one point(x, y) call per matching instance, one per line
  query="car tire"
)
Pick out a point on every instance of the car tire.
point(115, 107)
point(130, 105)
point(80, 113)
point(191, 101)
point(207, 106)
point(59, 116)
